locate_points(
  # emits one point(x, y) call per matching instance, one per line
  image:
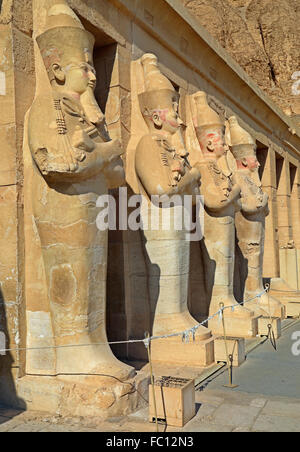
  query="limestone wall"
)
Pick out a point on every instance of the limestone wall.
point(262, 36)
point(193, 61)
point(17, 89)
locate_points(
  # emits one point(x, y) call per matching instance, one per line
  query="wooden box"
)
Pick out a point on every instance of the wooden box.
point(175, 401)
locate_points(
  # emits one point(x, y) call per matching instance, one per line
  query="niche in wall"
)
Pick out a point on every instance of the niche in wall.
point(105, 61)
point(293, 172)
point(262, 155)
point(279, 168)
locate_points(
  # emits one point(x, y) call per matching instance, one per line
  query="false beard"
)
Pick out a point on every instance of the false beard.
point(93, 112)
point(256, 179)
point(224, 166)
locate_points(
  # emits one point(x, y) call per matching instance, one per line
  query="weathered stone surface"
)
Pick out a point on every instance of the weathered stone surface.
point(69, 162)
point(166, 251)
point(58, 272)
point(276, 424)
point(259, 36)
point(222, 193)
point(235, 415)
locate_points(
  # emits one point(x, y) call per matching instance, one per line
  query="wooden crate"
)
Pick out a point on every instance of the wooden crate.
point(175, 401)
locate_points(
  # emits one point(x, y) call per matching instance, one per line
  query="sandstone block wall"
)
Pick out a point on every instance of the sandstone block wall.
point(16, 94)
point(193, 61)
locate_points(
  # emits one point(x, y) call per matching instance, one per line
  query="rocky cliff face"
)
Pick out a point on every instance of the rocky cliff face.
point(263, 36)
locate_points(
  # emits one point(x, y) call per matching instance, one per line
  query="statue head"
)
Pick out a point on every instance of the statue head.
point(67, 51)
point(243, 147)
point(160, 102)
point(209, 128)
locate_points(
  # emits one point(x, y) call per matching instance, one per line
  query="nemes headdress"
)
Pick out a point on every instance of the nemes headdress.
point(242, 143)
point(64, 38)
point(159, 91)
point(206, 116)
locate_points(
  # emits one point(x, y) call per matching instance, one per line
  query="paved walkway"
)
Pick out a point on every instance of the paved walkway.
point(267, 400)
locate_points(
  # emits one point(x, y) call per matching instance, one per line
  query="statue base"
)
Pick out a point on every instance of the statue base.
point(84, 396)
point(289, 297)
point(293, 310)
point(263, 309)
point(173, 351)
point(236, 346)
point(235, 326)
point(264, 329)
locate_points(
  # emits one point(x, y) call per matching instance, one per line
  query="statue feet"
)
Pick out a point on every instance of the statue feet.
point(197, 353)
point(279, 286)
point(266, 306)
point(177, 323)
point(231, 309)
point(239, 320)
point(91, 360)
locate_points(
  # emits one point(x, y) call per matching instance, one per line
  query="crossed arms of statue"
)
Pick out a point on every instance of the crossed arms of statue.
point(74, 156)
point(216, 197)
point(154, 177)
point(253, 204)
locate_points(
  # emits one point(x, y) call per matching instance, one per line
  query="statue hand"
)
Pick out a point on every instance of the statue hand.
point(81, 140)
point(195, 172)
point(51, 161)
point(111, 150)
point(115, 174)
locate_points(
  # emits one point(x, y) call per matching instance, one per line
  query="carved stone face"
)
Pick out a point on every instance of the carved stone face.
point(167, 119)
point(252, 163)
point(249, 162)
point(76, 76)
point(212, 141)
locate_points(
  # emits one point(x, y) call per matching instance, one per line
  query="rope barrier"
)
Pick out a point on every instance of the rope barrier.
point(184, 334)
point(271, 336)
point(271, 333)
point(229, 356)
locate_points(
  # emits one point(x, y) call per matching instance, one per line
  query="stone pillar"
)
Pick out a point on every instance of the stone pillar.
point(266, 157)
point(285, 287)
point(16, 93)
point(295, 203)
point(112, 64)
point(283, 200)
point(295, 212)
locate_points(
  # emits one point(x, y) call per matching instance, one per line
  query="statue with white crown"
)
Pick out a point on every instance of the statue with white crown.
point(250, 220)
point(221, 193)
point(162, 170)
point(74, 162)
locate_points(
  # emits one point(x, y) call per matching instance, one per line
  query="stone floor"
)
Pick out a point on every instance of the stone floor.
point(267, 400)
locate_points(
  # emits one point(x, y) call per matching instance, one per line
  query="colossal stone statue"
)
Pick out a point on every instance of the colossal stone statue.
point(163, 170)
point(221, 197)
point(250, 221)
point(74, 162)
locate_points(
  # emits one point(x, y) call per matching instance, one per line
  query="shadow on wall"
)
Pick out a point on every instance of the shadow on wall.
point(240, 273)
point(201, 280)
point(130, 287)
point(116, 315)
point(143, 280)
point(153, 285)
point(8, 367)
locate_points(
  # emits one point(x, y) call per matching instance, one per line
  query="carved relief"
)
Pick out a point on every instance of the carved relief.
point(250, 221)
point(222, 200)
point(73, 163)
point(162, 169)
